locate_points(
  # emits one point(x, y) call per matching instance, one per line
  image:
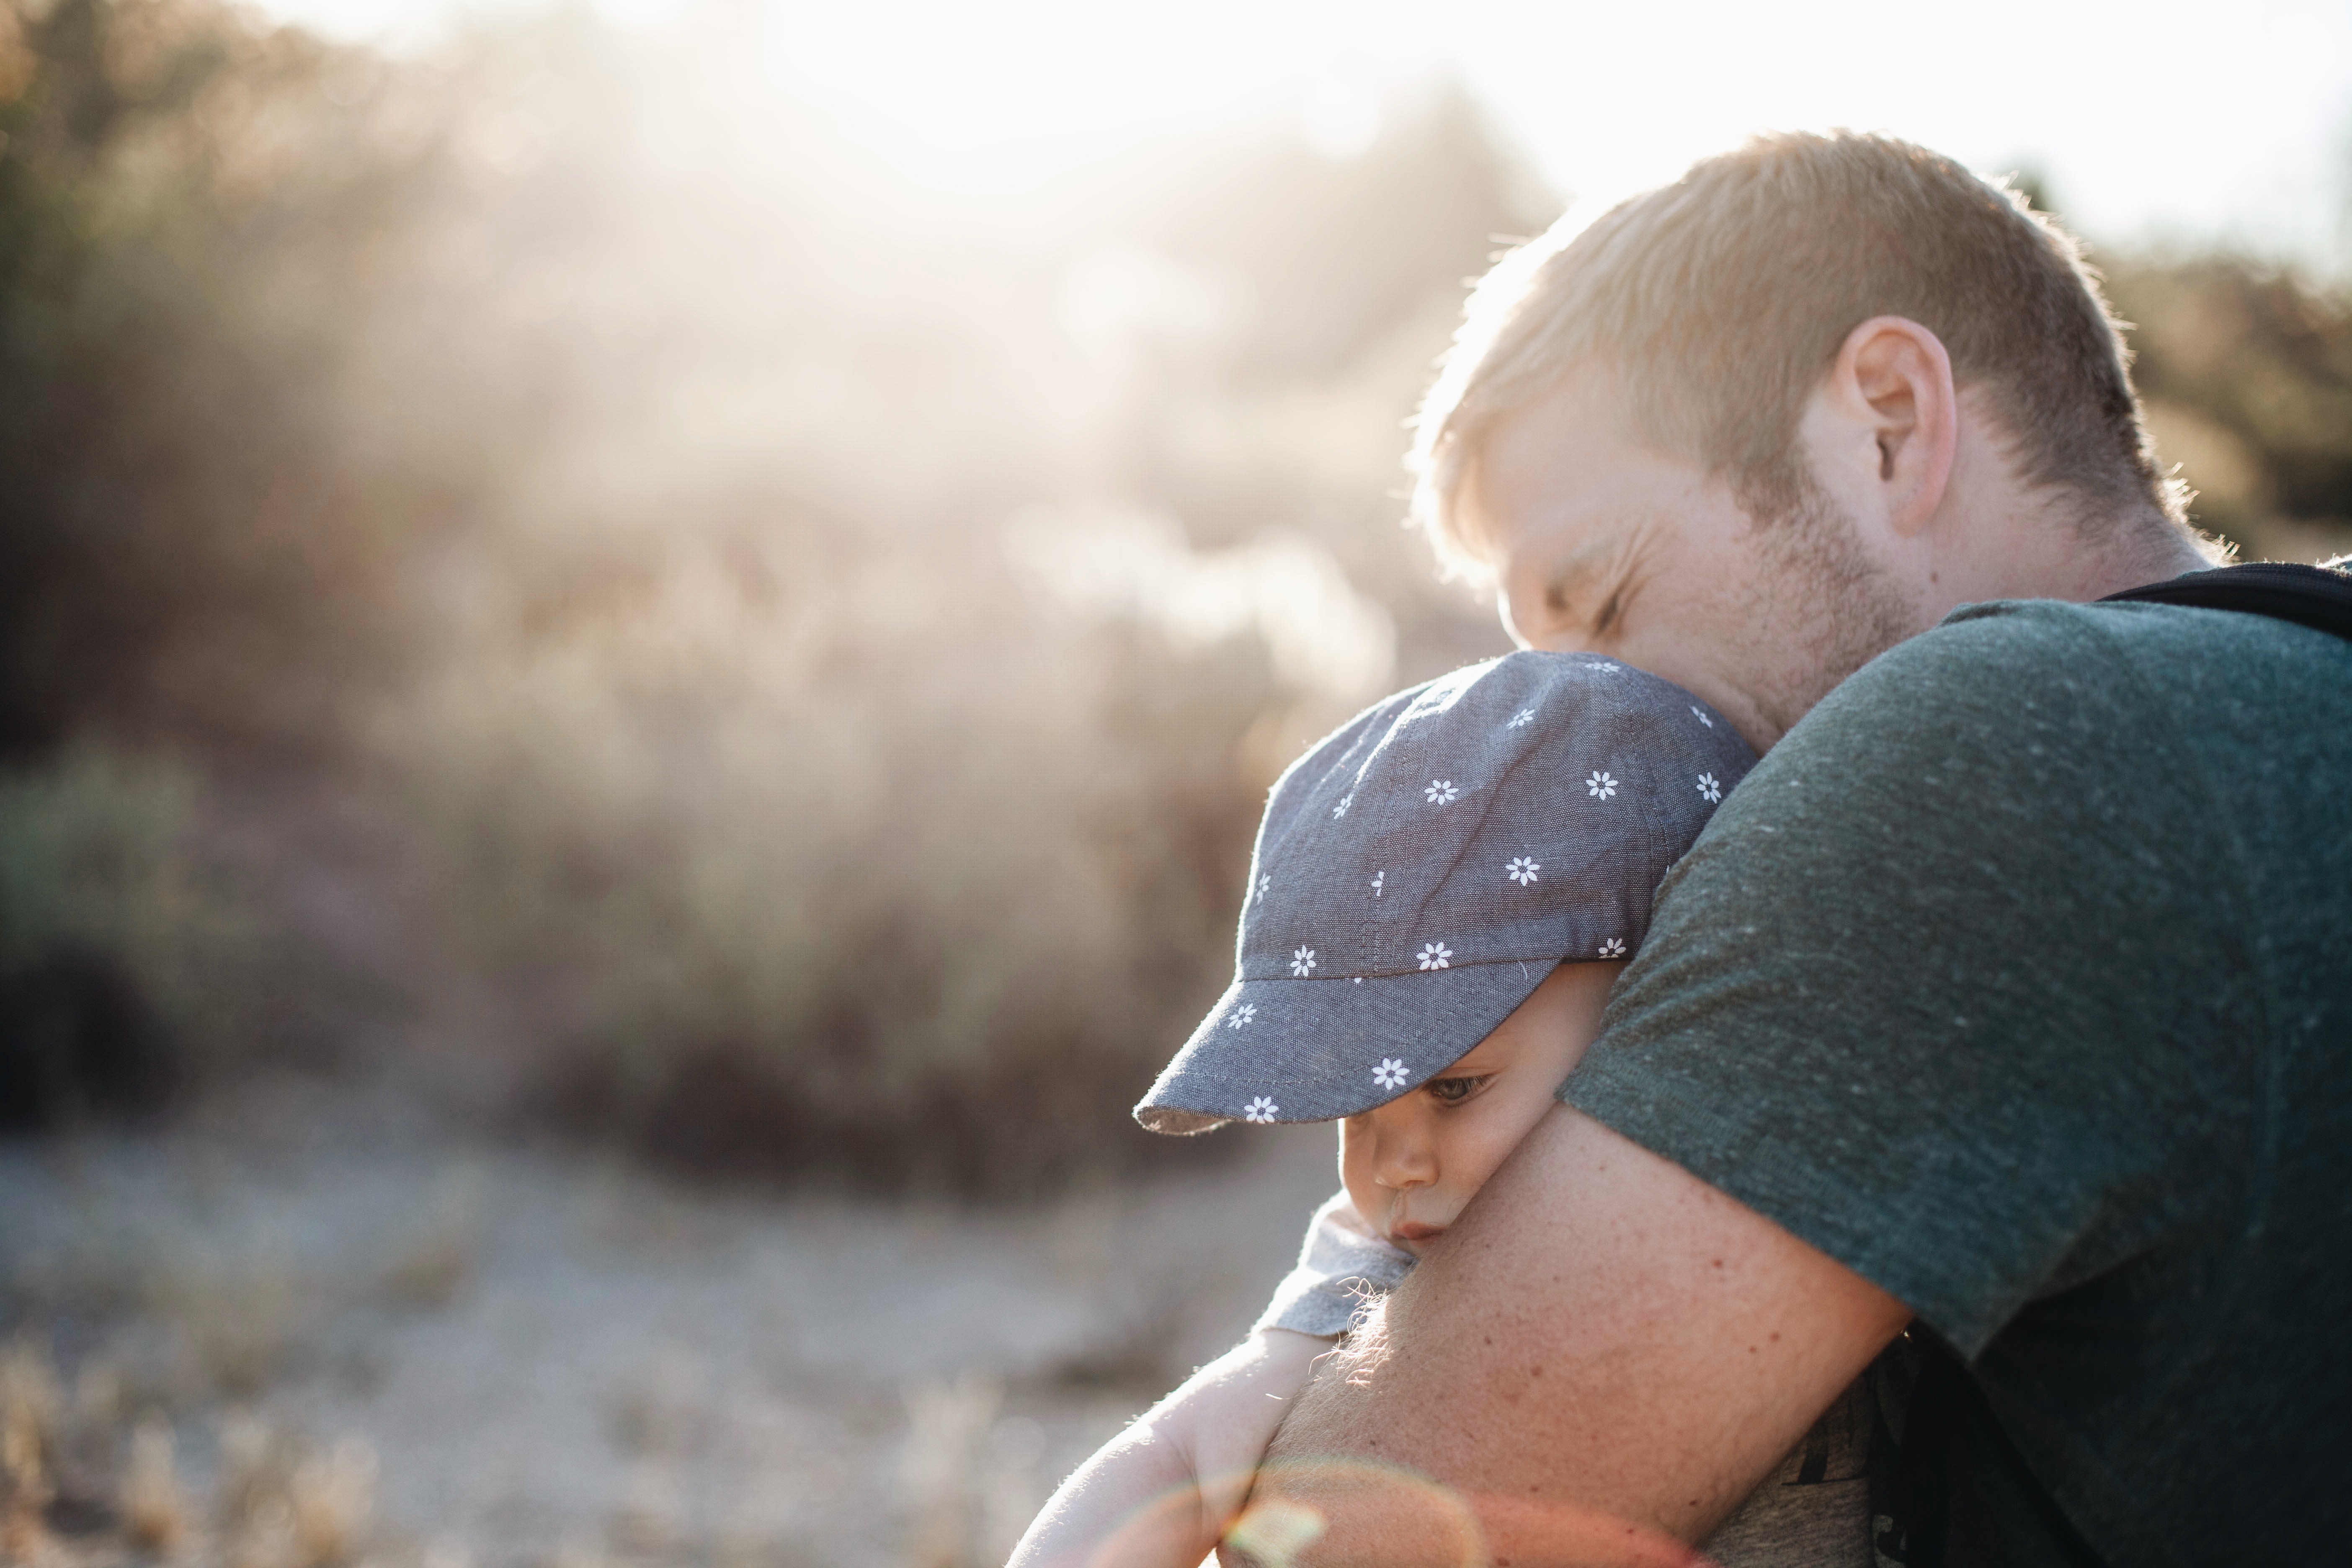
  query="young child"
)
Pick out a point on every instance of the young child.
point(1442, 893)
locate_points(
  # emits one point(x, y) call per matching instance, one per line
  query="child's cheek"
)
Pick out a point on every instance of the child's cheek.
point(1480, 1147)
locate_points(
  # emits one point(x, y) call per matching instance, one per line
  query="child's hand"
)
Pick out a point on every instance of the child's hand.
point(1161, 1493)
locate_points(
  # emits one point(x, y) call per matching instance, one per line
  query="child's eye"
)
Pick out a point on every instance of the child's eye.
point(1454, 1090)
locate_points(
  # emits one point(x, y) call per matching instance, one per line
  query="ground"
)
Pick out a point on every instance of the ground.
point(300, 1331)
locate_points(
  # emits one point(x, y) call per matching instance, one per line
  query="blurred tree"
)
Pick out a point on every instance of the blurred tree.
point(1331, 286)
point(1328, 256)
point(198, 532)
point(2247, 368)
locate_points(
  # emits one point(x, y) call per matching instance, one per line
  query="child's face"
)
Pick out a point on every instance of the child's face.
point(1410, 1165)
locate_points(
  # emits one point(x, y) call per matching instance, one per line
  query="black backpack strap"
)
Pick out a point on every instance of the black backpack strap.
point(1954, 1451)
point(2319, 597)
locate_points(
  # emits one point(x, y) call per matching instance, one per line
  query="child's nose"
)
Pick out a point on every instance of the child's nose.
point(1404, 1157)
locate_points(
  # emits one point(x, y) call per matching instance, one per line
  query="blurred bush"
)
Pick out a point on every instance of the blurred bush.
point(125, 961)
point(917, 907)
point(2247, 369)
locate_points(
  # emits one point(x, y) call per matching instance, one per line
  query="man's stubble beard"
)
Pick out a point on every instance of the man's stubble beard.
point(1838, 607)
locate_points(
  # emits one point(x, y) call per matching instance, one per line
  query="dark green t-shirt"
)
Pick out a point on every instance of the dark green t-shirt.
point(2018, 978)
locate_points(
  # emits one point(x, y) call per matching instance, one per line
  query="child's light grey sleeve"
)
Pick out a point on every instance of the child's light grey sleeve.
point(1339, 1267)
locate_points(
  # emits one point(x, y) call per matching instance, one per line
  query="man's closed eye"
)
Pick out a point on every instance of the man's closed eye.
point(1566, 594)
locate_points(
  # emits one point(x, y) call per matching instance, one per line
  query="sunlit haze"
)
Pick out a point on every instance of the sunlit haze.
point(1607, 99)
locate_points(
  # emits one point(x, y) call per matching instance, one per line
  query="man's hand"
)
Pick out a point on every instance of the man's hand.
point(1600, 1359)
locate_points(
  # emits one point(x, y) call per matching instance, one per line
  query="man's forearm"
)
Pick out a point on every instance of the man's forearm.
point(1600, 1361)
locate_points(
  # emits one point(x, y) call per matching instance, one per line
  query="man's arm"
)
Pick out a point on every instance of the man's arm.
point(1595, 1365)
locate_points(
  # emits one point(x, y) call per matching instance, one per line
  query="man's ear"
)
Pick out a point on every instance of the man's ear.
point(1888, 416)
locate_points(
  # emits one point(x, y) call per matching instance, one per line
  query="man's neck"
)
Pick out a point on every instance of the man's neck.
point(2142, 553)
point(2047, 556)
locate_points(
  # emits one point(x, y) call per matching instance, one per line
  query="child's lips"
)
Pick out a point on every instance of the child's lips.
point(1413, 1230)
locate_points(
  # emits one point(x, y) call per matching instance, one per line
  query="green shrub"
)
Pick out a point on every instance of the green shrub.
point(127, 966)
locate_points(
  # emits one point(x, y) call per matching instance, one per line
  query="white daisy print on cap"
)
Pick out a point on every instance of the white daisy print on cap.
point(1435, 955)
point(1524, 716)
point(1302, 962)
point(1614, 948)
point(1708, 787)
point(1390, 1074)
point(1441, 790)
point(1260, 1109)
point(1242, 1014)
point(1522, 870)
point(1601, 786)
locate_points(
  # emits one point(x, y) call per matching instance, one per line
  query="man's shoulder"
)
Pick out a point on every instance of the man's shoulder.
point(2042, 748)
point(2042, 672)
point(2124, 630)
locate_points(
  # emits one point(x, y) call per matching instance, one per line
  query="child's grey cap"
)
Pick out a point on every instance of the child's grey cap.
point(1422, 869)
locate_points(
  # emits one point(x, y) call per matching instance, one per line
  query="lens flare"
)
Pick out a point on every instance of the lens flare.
point(1314, 1513)
point(1276, 1532)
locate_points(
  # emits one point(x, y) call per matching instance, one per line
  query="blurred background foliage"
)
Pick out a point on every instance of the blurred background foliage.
point(538, 572)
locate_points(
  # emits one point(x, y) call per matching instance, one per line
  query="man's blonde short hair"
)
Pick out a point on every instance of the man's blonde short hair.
point(1719, 302)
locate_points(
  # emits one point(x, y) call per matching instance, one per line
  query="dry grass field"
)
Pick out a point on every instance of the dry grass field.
point(290, 1335)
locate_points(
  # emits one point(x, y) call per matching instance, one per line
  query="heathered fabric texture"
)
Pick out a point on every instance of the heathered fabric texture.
point(1341, 1267)
point(1421, 870)
point(2019, 979)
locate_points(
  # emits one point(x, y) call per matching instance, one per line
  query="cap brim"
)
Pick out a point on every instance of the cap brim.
point(1315, 1050)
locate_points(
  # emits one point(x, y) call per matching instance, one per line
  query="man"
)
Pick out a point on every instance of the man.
point(2006, 1000)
